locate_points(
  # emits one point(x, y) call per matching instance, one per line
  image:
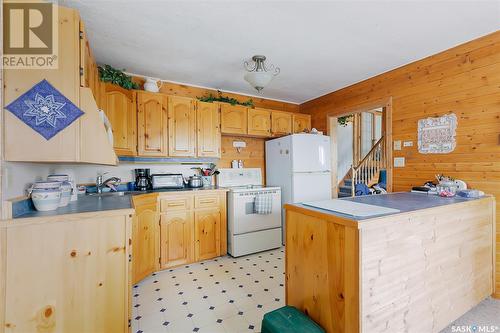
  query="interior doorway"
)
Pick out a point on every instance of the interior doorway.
point(361, 140)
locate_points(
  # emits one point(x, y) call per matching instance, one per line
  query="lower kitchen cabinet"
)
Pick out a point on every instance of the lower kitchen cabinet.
point(66, 273)
point(145, 236)
point(207, 234)
point(176, 238)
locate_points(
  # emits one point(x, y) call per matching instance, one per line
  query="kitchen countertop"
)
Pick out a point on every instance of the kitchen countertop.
point(93, 203)
point(403, 201)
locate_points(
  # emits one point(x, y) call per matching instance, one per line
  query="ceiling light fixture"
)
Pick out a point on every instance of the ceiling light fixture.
point(259, 75)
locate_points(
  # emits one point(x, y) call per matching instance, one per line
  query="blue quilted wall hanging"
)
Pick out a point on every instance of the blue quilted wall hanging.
point(45, 109)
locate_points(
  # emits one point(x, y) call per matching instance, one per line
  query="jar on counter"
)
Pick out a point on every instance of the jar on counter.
point(66, 188)
point(46, 196)
point(446, 188)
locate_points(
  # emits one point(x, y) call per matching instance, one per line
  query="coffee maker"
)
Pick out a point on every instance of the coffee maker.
point(142, 179)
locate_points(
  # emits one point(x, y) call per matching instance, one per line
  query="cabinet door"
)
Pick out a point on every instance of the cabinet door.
point(207, 234)
point(145, 242)
point(176, 238)
point(233, 119)
point(208, 135)
point(281, 123)
point(259, 122)
point(120, 107)
point(152, 124)
point(181, 126)
point(301, 122)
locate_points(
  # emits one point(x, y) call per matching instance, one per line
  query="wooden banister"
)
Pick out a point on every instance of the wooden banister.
point(369, 168)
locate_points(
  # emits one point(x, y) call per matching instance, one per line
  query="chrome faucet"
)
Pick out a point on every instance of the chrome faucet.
point(110, 182)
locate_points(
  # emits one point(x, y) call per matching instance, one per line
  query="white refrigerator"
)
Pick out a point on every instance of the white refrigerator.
point(301, 165)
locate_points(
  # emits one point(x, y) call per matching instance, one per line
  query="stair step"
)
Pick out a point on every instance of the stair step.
point(348, 182)
point(345, 189)
point(344, 195)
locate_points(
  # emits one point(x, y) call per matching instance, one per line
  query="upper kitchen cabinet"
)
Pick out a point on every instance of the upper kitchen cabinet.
point(233, 119)
point(119, 104)
point(83, 141)
point(301, 122)
point(208, 139)
point(152, 120)
point(181, 127)
point(281, 123)
point(89, 74)
point(259, 122)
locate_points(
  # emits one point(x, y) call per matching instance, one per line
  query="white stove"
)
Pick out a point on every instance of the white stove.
point(250, 231)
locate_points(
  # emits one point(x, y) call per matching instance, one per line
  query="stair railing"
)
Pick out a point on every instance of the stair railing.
point(367, 171)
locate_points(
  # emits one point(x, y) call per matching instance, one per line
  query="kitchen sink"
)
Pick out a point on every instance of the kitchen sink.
point(107, 194)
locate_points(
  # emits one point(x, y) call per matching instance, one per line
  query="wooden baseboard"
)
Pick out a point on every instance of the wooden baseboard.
point(496, 295)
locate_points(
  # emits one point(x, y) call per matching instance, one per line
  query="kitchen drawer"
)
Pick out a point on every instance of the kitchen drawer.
point(177, 202)
point(207, 201)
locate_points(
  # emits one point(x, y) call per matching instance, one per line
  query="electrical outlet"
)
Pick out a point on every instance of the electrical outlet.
point(399, 162)
point(397, 145)
point(239, 144)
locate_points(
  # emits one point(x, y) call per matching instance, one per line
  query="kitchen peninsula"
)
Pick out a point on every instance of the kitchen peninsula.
point(416, 270)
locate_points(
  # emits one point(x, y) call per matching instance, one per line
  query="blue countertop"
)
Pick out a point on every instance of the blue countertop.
point(92, 203)
point(403, 201)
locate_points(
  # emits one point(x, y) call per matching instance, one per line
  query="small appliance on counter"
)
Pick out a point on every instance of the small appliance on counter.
point(142, 179)
point(195, 181)
point(167, 180)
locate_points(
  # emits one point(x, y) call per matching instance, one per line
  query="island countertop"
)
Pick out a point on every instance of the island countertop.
point(405, 202)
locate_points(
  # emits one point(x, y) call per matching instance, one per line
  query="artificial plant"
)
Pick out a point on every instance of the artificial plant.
point(108, 73)
point(220, 98)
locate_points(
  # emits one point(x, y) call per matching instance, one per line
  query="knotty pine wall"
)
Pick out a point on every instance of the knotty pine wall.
point(253, 156)
point(464, 80)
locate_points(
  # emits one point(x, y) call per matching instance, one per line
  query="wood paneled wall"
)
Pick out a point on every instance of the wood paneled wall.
point(464, 80)
point(253, 156)
point(193, 92)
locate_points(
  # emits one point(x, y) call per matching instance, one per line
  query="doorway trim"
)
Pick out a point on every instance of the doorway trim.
point(332, 124)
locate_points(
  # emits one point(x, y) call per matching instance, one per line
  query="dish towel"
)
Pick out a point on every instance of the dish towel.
point(263, 204)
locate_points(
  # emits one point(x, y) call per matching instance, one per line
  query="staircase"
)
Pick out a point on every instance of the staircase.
point(367, 171)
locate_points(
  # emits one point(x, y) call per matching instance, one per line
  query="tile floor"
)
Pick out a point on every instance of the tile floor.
point(220, 295)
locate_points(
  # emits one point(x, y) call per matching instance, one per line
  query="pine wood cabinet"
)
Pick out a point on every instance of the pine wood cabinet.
point(301, 122)
point(181, 127)
point(152, 120)
point(259, 122)
point(281, 123)
point(208, 138)
point(176, 238)
point(233, 119)
point(145, 236)
point(193, 227)
point(119, 104)
point(207, 234)
point(66, 273)
point(72, 145)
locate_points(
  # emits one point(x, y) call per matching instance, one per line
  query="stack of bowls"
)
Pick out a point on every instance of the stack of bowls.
point(66, 188)
point(46, 196)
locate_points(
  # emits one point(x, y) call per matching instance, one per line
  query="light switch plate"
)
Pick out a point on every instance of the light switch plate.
point(408, 144)
point(399, 162)
point(397, 145)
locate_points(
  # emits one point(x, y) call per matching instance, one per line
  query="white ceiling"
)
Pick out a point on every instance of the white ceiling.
point(320, 46)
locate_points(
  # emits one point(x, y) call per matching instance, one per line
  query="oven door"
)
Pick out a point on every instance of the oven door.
point(246, 220)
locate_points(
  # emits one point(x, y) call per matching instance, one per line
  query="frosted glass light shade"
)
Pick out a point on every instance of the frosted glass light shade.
point(258, 80)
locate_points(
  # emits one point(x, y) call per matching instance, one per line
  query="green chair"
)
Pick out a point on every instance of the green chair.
point(289, 320)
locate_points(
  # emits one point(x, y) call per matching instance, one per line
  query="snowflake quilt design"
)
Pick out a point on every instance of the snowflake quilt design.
point(45, 109)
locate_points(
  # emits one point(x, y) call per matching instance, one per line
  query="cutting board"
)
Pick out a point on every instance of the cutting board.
point(351, 208)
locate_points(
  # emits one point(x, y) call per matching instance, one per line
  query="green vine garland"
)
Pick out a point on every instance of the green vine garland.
point(108, 73)
point(220, 98)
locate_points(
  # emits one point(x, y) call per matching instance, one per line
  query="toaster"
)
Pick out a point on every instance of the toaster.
point(167, 180)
